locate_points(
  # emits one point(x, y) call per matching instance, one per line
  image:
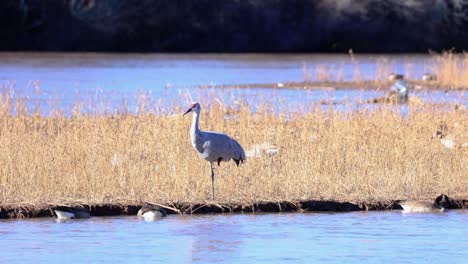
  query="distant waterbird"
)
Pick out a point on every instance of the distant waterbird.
point(398, 94)
point(400, 88)
point(266, 148)
point(151, 212)
point(66, 212)
point(416, 206)
point(429, 77)
point(395, 76)
point(213, 146)
point(447, 139)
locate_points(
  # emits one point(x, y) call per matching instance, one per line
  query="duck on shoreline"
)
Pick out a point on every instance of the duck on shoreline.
point(151, 212)
point(416, 206)
point(67, 212)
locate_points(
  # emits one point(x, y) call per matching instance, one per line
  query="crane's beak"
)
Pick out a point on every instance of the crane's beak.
point(188, 111)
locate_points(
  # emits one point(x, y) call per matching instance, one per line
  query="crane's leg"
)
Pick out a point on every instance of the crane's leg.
point(212, 181)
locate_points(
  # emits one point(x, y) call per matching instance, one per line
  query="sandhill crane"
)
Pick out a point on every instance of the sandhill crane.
point(66, 212)
point(400, 88)
point(213, 146)
point(415, 206)
point(398, 93)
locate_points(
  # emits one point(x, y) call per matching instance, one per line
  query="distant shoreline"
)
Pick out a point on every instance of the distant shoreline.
point(345, 85)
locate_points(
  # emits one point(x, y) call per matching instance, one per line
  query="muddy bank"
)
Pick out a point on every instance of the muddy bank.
point(234, 26)
point(210, 208)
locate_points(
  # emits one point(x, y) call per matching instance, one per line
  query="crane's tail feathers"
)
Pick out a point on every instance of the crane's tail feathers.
point(239, 161)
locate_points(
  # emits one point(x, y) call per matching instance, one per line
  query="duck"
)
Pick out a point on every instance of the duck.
point(417, 206)
point(67, 212)
point(151, 212)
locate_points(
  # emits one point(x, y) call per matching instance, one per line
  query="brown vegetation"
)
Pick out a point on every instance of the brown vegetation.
point(450, 70)
point(366, 155)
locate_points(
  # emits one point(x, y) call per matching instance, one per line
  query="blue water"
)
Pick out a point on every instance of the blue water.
point(151, 82)
point(130, 72)
point(357, 237)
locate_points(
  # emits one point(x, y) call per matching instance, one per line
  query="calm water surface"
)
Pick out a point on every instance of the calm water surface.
point(372, 237)
point(52, 80)
point(152, 71)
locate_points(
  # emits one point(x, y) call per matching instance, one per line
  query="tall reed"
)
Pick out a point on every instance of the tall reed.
point(450, 69)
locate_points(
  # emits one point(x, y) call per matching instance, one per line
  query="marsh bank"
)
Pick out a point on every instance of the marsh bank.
point(27, 211)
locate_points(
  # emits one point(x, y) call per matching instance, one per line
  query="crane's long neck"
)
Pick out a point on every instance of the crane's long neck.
point(195, 137)
point(195, 133)
point(194, 128)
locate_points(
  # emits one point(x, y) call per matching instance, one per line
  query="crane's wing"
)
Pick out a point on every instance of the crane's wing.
point(221, 146)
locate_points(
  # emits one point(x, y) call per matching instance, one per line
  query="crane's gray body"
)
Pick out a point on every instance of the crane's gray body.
point(213, 146)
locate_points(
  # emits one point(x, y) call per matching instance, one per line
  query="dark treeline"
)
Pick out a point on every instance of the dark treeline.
point(234, 25)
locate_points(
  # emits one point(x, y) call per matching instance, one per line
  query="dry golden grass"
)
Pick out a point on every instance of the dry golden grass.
point(452, 69)
point(365, 155)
